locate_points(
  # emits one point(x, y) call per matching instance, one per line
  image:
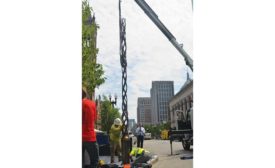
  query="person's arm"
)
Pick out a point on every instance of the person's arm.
point(132, 153)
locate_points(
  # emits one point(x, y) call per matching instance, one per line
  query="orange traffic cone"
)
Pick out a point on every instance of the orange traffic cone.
point(127, 166)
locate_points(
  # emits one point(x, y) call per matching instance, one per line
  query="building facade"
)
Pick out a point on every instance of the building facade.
point(144, 110)
point(161, 93)
point(131, 124)
point(182, 101)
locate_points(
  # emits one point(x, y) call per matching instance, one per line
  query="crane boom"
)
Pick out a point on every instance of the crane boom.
point(153, 16)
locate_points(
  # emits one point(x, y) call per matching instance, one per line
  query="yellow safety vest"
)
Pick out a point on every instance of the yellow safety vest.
point(137, 151)
point(115, 133)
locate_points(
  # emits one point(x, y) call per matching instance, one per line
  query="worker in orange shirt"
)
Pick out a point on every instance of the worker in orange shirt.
point(88, 132)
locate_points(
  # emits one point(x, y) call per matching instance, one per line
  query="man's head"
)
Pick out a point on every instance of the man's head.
point(117, 122)
point(84, 94)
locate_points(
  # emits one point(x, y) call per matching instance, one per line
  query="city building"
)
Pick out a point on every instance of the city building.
point(131, 124)
point(144, 110)
point(182, 101)
point(161, 93)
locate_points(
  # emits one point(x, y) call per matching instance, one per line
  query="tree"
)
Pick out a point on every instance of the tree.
point(155, 130)
point(92, 72)
point(108, 114)
point(148, 128)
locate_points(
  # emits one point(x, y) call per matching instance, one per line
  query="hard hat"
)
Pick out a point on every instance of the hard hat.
point(117, 121)
point(101, 162)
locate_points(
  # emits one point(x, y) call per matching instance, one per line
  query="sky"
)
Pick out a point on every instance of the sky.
point(150, 55)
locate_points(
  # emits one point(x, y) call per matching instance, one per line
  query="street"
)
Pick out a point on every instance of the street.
point(165, 160)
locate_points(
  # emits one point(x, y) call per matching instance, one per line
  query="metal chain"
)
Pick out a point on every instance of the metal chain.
point(126, 143)
point(123, 62)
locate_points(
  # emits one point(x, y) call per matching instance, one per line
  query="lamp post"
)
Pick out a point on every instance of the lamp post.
point(113, 102)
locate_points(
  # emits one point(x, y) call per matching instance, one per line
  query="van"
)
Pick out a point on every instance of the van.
point(147, 135)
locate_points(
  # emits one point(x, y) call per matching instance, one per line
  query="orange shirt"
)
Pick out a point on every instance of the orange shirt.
point(88, 120)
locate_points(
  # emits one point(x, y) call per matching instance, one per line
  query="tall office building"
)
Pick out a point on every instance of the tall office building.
point(161, 93)
point(144, 109)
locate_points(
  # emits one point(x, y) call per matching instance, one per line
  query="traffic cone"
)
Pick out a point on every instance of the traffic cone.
point(127, 166)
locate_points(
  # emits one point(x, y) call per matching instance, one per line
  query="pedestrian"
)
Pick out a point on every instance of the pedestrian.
point(140, 132)
point(88, 132)
point(115, 137)
point(141, 156)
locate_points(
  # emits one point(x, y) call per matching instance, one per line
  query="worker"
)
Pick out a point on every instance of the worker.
point(142, 157)
point(115, 137)
point(89, 142)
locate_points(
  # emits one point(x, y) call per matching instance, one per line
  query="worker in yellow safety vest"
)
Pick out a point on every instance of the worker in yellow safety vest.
point(115, 135)
point(141, 155)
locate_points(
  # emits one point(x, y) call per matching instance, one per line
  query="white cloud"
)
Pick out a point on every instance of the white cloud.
point(150, 55)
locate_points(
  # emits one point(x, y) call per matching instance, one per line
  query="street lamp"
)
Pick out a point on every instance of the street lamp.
point(113, 102)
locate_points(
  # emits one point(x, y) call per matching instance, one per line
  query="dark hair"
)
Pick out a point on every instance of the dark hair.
point(84, 95)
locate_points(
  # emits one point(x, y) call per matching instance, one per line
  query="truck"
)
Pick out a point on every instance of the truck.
point(184, 131)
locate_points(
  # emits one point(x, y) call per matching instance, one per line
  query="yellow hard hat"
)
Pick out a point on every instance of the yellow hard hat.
point(101, 162)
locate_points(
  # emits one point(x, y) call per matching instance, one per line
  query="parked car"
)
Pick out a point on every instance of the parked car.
point(147, 135)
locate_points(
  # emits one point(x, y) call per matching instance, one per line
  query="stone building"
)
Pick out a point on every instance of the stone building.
point(182, 101)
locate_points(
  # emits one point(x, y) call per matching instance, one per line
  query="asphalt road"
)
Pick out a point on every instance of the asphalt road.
point(165, 159)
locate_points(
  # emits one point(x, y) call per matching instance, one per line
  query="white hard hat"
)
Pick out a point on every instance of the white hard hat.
point(117, 121)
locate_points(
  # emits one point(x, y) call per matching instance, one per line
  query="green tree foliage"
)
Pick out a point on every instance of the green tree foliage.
point(92, 73)
point(108, 114)
point(155, 130)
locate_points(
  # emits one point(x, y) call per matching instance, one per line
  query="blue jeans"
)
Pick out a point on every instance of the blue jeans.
point(140, 141)
point(92, 150)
